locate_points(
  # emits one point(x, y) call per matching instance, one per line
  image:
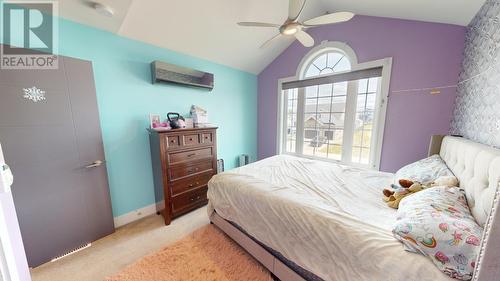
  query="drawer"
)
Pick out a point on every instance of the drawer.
point(189, 183)
point(207, 138)
point(173, 141)
point(182, 170)
point(192, 139)
point(188, 200)
point(190, 155)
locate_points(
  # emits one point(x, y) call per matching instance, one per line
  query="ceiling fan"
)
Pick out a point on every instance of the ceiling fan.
point(292, 26)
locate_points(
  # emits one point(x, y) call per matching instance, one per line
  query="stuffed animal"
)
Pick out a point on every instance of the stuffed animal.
point(407, 187)
point(394, 196)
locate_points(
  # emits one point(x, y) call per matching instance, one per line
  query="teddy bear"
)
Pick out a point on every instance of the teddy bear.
point(407, 187)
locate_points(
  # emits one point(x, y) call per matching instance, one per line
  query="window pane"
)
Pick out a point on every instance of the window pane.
point(292, 106)
point(334, 152)
point(340, 89)
point(358, 137)
point(367, 138)
point(312, 71)
point(362, 86)
point(320, 62)
point(335, 136)
point(324, 103)
point(365, 117)
point(343, 65)
point(326, 71)
point(365, 156)
point(366, 102)
point(373, 84)
point(292, 120)
point(337, 120)
point(326, 90)
point(312, 92)
point(290, 140)
point(370, 101)
point(339, 103)
point(322, 151)
point(356, 154)
point(334, 59)
point(362, 136)
point(311, 105)
point(361, 102)
point(363, 124)
point(310, 120)
point(310, 146)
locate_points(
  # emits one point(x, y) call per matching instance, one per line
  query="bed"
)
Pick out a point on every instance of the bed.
point(312, 220)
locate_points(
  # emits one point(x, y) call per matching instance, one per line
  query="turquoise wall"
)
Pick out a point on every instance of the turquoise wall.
point(126, 97)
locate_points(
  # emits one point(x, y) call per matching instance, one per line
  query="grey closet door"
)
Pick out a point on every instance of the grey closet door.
point(88, 133)
point(61, 205)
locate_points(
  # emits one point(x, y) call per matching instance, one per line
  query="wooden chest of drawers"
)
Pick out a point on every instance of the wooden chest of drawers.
point(183, 161)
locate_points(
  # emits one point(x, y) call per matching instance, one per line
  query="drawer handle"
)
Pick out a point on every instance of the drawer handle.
point(191, 139)
point(195, 198)
point(191, 155)
point(193, 184)
point(193, 170)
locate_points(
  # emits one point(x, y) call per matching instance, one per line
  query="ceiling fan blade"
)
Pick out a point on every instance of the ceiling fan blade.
point(304, 38)
point(295, 8)
point(258, 24)
point(329, 18)
point(268, 42)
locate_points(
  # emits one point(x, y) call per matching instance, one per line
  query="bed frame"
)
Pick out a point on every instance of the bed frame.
point(268, 260)
point(477, 167)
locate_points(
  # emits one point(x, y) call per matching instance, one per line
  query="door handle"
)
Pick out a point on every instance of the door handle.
point(94, 164)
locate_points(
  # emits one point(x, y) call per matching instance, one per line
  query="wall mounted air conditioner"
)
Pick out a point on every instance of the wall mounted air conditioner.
point(169, 73)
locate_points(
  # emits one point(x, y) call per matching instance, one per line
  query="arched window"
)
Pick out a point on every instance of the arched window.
point(327, 63)
point(333, 110)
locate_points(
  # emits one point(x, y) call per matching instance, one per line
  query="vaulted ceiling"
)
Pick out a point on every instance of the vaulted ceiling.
point(207, 28)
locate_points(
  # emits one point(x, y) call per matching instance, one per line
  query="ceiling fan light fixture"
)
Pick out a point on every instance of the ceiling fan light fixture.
point(290, 29)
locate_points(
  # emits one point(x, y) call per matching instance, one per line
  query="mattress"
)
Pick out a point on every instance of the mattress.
point(327, 218)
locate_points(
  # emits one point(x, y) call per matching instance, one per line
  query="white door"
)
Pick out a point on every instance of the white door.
point(13, 263)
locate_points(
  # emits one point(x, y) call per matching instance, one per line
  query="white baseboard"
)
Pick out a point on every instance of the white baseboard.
point(136, 214)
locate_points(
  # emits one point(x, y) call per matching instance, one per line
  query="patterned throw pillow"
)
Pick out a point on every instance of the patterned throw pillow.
point(437, 223)
point(424, 171)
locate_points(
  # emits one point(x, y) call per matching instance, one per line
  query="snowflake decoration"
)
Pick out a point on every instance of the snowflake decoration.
point(34, 94)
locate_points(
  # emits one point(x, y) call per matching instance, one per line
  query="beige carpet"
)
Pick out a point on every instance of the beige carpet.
point(127, 245)
point(206, 254)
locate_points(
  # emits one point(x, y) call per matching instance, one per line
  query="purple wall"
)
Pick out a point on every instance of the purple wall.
point(424, 55)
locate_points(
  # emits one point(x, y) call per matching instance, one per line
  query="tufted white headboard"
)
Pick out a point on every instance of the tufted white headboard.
point(477, 167)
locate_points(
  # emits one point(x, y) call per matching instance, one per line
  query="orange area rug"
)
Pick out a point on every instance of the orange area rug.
point(206, 254)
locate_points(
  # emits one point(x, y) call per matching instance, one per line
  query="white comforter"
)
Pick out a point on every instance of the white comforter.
point(327, 218)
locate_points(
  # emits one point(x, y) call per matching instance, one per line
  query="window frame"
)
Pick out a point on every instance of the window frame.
point(380, 103)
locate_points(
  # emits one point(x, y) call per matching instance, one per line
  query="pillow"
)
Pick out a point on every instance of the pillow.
point(424, 171)
point(437, 223)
